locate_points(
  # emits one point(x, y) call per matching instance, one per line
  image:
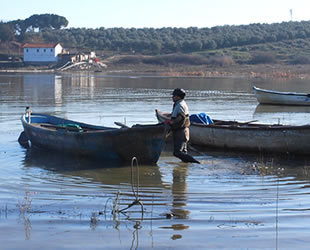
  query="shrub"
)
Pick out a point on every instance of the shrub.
point(262, 57)
point(157, 60)
point(185, 59)
point(130, 60)
point(221, 60)
point(176, 59)
point(300, 60)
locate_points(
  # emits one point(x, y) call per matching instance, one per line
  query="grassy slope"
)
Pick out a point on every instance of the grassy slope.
point(284, 51)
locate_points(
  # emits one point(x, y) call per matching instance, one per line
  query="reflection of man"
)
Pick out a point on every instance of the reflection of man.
point(180, 123)
point(179, 192)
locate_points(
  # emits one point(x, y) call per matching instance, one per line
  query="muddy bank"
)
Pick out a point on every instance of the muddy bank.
point(236, 70)
point(248, 71)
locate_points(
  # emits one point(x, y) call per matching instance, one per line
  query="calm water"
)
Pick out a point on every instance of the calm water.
point(231, 200)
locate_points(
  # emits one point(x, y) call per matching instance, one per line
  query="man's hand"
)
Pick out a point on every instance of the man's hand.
point(167, 122)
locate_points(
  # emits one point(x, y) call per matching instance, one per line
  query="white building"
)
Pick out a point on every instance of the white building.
point(39, 52)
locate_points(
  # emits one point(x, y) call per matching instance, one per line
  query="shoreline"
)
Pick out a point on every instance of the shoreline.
point(243, 71)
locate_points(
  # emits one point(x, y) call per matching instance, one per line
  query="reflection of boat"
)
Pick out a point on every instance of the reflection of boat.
point(144, 142)
point(281, 109)
point(247, 136)
point(281, 98)
point(107, 173)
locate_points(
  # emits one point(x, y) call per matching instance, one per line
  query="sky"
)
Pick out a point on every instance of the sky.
point(159, 13)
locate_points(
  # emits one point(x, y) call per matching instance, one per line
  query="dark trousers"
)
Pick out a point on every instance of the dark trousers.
point(180, 139)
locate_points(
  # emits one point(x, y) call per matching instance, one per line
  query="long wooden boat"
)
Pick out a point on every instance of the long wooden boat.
point(249, 136)
point(145, 142)
point(265, 96)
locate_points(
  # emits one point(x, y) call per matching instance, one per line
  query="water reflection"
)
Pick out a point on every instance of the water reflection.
point(42, 88)
point(289, 115)
point(179, 191)
point(24, 217)
point(53, 88)
point(107, 173)
point(263, 108)
point(252, 163)
point(235, 190)
point(135, 236)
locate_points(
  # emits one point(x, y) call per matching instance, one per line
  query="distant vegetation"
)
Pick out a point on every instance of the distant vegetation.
point(286, 42)
point(17, 29)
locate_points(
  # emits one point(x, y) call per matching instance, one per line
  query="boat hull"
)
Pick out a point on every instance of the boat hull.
point(281, 98)
point(250, 137)
point(145, 142)
point(282, 139)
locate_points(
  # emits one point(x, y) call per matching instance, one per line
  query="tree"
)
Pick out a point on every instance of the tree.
point(19, 27)
point(189, 46)
point(155, 47)
point(46, 21)
point(43, 21)
point(6, 32)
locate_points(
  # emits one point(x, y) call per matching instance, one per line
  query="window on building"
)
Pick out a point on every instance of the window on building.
point(44, 50)
point(37, 50)
point(26, 50)
point(51, 50)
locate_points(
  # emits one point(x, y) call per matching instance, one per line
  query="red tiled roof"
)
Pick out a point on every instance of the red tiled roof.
point(40, 45)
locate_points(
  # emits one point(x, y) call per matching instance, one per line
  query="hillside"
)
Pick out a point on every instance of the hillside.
point(283, 45)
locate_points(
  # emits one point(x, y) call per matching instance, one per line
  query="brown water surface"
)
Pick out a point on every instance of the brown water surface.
point(231, 200)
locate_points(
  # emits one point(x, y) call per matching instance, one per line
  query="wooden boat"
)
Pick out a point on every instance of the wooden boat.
point(281, 98)
point(248, 136)
point(145, 142)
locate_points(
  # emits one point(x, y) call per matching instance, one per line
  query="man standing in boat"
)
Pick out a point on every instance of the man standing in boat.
point(179, 124)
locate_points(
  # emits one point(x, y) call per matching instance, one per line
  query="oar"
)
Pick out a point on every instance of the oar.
point(245, 123)
point(121, 124)
point(232, 122)
point(61, 127)
point(187, 158)
point(195, 150)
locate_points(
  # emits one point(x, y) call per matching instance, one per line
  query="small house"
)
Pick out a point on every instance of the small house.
point(41, 52)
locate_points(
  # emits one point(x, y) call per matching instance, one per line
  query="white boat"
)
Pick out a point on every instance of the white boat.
point(265, 96)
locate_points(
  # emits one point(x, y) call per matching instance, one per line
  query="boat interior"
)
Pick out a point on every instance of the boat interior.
point(55, 123)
